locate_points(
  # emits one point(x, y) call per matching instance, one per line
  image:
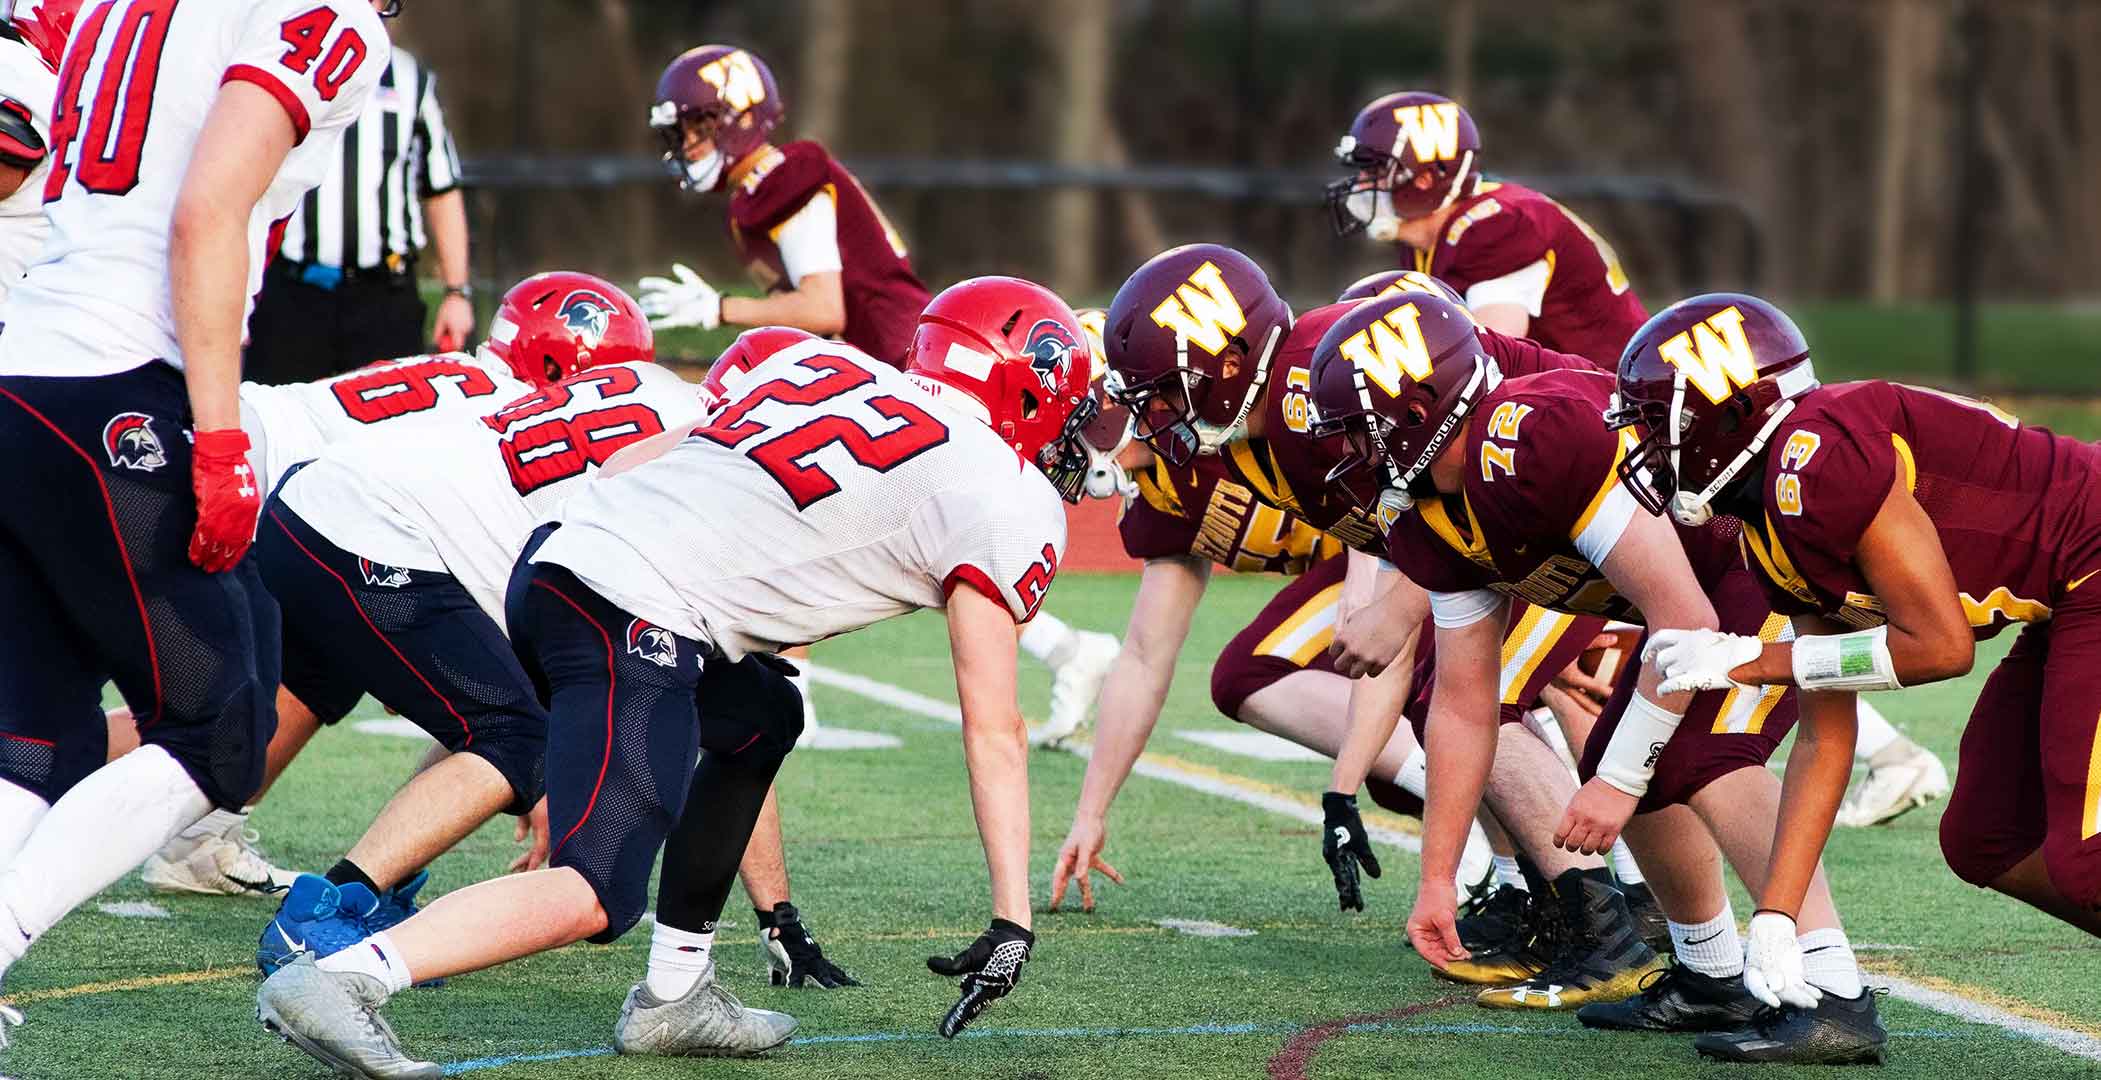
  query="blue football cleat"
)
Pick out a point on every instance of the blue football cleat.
point(316, 917)
point(395, 907)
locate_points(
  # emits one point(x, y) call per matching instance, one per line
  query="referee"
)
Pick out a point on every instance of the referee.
point(341, 291)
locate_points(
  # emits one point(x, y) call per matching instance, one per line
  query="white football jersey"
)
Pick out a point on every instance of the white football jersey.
point(139, 79)
point(461, 496)
point(25, 79)
point(290, 424)
point(828, 493)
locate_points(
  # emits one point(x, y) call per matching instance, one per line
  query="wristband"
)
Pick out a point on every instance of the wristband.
point(1630, 758)
point(1856, 661)
point(464, 292)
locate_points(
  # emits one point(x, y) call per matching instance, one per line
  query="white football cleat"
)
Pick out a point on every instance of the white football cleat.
point(215, 864)
point(708, 1022)
point(1477, 867)
point(1901, 777)
point(1074, 687)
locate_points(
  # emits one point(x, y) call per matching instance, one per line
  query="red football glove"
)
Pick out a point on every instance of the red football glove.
point(228, 501)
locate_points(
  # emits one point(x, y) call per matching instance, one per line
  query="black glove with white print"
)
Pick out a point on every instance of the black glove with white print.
point(990, 967)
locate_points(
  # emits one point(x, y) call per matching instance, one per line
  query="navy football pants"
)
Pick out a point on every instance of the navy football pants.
point(96, 584)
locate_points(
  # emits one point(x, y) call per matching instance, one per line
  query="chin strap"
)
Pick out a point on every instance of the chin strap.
point(1209, 437)
point(1697, 510)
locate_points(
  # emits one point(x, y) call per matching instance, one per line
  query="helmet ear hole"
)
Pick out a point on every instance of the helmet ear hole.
point(1418, 414)
point(1029, 405)
point(551, 369)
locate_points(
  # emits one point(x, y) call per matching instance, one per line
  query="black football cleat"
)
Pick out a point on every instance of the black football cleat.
point(1495, 922)
point(1649, 919)
point(1677, 999)
point(1599, 958)
point(1839, 1031)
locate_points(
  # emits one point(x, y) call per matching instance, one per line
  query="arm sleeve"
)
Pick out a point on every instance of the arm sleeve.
point(1525, 287)
point(1601, 529)
point(438, 160)
point(323, 79)
point(809, 239)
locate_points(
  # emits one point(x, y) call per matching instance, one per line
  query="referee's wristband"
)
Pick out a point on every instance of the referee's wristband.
point(464, 292)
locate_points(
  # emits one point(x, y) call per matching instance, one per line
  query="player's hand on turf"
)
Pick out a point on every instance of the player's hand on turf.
point(1081, 855)
point(228, 501)
point(1433, 927)
point(1346, 848)
point(990, 967)
point(794, 959)
point(684, 299)
point(532, 826)
point(1699, 659)
point(1365, 642)
point(1773, 963)
point(1594, 818)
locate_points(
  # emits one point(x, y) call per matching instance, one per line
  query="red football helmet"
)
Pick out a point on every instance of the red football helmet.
point(728, 90)
point(1708, 380)
point(551, 326)
point(1397, 377)
point(1389, 282)
point(46, 25)
point(1011, 352)
point(1394, 140)
point(751, 349)
point(1189, 338)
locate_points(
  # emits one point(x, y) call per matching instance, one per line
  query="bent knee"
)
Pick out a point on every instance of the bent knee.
point(1978, 856)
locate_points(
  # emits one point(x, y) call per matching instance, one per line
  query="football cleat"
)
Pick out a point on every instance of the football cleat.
point(317, 917)
point(1075, 686)
point(1677, 998)
point(1902, 777)
point(1496, 921)
point(215, 864)
point(1649, 919)
point(333, 1017)
point(1600, 955)
point(396, 906)
point(1839, 1031)
point(10, 1017)
point(708, 1022)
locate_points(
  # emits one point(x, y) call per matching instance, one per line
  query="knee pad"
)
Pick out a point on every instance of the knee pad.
point(1239, 675)
point(1977, 856)
point(624, 903)
point(750, 711)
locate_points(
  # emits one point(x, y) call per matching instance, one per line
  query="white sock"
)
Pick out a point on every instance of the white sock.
point(1049, 640)
point(1623, 865)
point(1711, 948)
point(1828, 963)
point(1873, 732)
point(376, 956)
point(1414, 774)
point(677, 960)
point(1507, 873)
point(20, 810)
point(100, 831)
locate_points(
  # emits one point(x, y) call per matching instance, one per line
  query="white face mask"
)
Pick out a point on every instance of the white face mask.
point(701, 175)
point(1375, 210)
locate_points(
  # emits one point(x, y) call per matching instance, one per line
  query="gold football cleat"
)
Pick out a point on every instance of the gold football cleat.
point(1600, 958)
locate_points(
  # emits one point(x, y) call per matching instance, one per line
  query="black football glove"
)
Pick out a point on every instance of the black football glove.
point(793, 959)
point(991, 968)
point(1344, 845)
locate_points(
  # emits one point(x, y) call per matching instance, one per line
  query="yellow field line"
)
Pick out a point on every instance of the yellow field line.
point(1371, 815)
point(118, 986)
point(1993, 998)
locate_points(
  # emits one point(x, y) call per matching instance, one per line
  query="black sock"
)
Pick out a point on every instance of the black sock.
point(345, 872)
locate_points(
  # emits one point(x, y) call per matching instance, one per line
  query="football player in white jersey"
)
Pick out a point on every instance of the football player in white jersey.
point(178, 134)
point(876, 493)
point(32, 41)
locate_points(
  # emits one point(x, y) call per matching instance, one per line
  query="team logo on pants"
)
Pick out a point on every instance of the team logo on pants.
point(131, 443)
point(652, 643)
point(385, 577)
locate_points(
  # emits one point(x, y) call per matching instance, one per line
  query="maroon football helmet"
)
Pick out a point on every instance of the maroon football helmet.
point(551, 326)
point(1388, 282)
point(1707, 380)
point(732, 93)
point(1394, 140)
point(46, 25)
point(1397, 377)
point(1190, 337)
point(1011, 352)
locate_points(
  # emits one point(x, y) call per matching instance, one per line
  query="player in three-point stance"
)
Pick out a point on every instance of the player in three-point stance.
point(179, 132)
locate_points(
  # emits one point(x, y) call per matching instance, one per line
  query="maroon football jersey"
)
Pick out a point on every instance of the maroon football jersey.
point(1589, 307)
point(1288, 467)
point(883, 295)
point(1540, 466)
point(2018, 509)
point(1199, 510)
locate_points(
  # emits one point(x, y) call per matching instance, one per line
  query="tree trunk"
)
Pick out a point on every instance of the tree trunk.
point(1735, 140)
point(1080, 29)
point(827, 53)
point(1902, 30)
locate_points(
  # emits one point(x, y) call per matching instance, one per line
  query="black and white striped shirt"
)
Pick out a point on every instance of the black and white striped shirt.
point(366, 211)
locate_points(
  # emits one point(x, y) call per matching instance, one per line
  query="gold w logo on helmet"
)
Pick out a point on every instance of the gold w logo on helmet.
point(1203, 311)
point(736, 80)
point(1390, 349)
point(1714, 355)
point(1432, 131)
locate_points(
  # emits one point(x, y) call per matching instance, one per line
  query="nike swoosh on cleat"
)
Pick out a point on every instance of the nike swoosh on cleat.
point(296, 944)
point(264, 887)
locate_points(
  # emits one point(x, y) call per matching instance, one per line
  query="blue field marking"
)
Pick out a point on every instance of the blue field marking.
point(477, 1064)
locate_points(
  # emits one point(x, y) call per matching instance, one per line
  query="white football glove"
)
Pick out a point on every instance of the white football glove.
point(687, 301)
point(1699, 659)
point(1773, 963)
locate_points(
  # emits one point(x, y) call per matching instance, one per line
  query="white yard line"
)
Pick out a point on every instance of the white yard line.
point(2077, 1044)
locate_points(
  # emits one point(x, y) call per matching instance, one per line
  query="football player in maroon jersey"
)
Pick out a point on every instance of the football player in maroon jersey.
point(1508, 489)
point(1898, 525)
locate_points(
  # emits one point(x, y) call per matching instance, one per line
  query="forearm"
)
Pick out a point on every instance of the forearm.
point(1818, 769)
point(1124, 719)
point(803, 309)
point(1463, 745)
point(208, 281)
point(445, 216)
point(1913, 659)
point(1375, 710)
point(997, 755)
